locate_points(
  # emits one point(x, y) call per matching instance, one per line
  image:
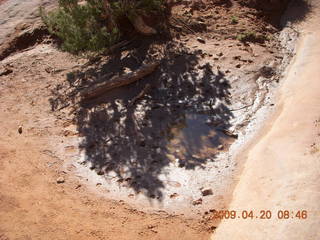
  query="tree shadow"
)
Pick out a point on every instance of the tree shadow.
point(297, 11)
point(131, 136)
point(273, 11)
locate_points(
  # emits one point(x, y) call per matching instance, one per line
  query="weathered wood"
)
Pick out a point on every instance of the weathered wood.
point(118, 81)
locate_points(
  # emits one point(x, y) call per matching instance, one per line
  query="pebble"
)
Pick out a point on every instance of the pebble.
point(174, 195)
point(20, 129)
point(208, 121)
point(201, 40)
point(206, 192)
point(220, 147)
point(5, 72)
point(197, 202)
point(60, 180)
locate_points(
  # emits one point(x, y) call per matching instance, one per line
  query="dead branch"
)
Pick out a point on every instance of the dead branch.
point(118, 81)
point(141, 94)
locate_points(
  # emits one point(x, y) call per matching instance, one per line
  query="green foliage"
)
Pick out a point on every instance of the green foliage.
point(247, 36)
point(234, 20)
point(252, 37)
point(80, 27)
point(83, 27)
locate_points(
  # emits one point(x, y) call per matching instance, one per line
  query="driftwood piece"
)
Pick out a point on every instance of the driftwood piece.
point(118, 81)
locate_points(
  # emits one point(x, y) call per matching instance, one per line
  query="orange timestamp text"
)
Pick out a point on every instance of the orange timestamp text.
point(261, 214)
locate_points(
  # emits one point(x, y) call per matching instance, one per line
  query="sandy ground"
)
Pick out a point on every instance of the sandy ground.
point(282, 169)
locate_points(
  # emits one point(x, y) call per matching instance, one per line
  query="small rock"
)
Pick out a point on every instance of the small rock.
point(230, 134)
point(220, 54)
point(151, 226)
point(126, 70)
point(78, 186)
point(208, 121)
point(181, 164)
point(174, 195)
point(201, 40)
point(100, 172)
point(142, 143)
point(98, 184)
point(212, 228)
point(60, 180)
point(5, 72)
point(206, 192)
point(20, 129)
point(267, 72)
point(220, 147)
point(197, 202)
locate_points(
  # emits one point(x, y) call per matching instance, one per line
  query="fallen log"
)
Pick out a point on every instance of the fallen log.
point(118, 81)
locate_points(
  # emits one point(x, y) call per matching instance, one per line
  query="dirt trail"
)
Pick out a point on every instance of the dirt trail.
point(282, 169)
point(34, 206)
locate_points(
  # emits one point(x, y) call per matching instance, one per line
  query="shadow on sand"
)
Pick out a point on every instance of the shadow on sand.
point(131, 138)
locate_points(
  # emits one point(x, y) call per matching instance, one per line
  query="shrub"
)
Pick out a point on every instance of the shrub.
point(252, 37)
point(84, 27)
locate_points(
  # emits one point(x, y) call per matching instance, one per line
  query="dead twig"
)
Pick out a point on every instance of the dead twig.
point(237, 109)
point(141, 94)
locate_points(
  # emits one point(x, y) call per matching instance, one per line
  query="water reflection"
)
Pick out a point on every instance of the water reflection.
point(194, 138)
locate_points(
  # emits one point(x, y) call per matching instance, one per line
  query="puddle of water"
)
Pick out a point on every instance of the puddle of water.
point(195, 139)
